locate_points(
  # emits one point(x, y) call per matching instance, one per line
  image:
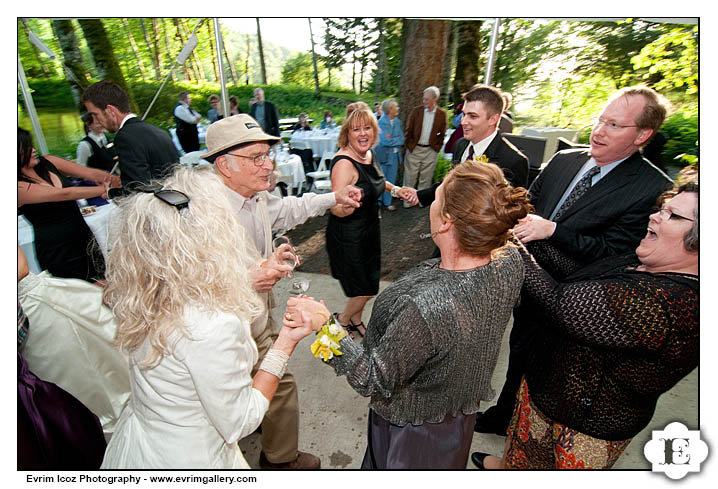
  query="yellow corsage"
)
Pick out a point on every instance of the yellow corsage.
point(327, 343)
point(483, 158)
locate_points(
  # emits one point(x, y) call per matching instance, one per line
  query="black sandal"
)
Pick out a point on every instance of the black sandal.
point(355, 327)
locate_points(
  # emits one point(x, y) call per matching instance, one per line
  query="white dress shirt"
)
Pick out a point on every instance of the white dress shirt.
point(426, 125)
point(186, 113)
point(84, 149)
point(479, 147)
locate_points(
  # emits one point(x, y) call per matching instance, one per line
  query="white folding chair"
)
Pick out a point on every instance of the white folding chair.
point(321, 178)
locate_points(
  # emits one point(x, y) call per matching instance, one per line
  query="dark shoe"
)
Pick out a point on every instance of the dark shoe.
point(485, 424)
point(354, 328)
point(304, 461)
point(391, 208)
point(478, 459)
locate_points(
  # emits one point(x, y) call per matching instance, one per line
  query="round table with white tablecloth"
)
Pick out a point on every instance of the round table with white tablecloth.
point(289, 164)
point(98, 222)
point(318, 140)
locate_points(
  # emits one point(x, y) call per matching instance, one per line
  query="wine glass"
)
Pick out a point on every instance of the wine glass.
point(297, 286)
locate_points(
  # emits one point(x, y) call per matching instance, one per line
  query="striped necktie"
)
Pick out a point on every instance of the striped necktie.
point(580, 188)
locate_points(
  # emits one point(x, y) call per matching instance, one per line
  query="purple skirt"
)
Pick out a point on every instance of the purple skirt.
point(54, 429)
point(443, 445)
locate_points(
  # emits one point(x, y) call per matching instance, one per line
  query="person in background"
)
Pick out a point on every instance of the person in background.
point(425, 129)
point(434, 336)
point(234, 105)
point(93, 150)
point(64, 244)
point(303, 124)
point(378, 110)
point(388, 151)
point(215, 113)
point(506, 123)
point(328, 121)
point(458, 131)
point(186, 119)
point(616, 335)
point(145, 152)
point(353, 234)
point(190, 346)
point(265, 113)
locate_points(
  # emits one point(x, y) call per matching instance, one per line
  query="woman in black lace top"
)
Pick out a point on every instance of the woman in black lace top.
point(617, 335)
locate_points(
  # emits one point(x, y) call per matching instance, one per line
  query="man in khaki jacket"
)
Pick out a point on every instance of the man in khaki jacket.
point(425, 129)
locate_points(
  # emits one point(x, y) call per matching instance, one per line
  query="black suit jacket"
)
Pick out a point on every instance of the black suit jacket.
point(271, 118)
point(502, 153)
point(611, 217)
point(145, 153)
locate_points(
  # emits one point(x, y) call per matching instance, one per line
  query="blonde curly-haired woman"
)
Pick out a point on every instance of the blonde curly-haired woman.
point(179, 285)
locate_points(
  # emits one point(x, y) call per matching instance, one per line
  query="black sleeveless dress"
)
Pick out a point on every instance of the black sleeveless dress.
point(64, 245)
point(354, 241)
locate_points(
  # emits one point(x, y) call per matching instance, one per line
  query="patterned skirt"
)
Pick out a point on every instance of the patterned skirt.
point(538, 442)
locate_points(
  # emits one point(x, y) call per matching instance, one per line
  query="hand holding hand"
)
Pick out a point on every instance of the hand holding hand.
point(296, 327)
point(349, 196)
point(408, 194)
point(317, 312)
point(115, 181)
point(533, 228)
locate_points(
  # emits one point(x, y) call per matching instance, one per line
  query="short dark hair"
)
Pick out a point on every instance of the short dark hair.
point(490, 96)
point(87, 119)
point(104, 93)
point(183, 95)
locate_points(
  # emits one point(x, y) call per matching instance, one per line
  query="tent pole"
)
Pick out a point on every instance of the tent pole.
point(492, 52)
point(30, 108)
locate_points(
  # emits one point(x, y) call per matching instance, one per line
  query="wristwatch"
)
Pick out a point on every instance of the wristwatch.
point(395, 191)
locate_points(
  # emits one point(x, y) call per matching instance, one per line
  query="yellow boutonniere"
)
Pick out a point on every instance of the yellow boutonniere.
point(483, 158)
point(327, 343)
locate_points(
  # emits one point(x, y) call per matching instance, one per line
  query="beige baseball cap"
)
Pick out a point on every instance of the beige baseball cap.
point(231, 132)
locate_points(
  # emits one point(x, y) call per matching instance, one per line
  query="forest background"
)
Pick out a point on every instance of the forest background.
point(559, 72)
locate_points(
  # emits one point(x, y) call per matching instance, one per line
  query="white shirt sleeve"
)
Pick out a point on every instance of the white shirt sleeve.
point(84, 151)
point(288, 212)
point(220, 357)
point(185, 113)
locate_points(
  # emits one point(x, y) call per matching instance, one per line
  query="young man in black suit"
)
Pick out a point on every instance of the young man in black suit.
point(590, 203)
point(145, 152)
point(483, 106)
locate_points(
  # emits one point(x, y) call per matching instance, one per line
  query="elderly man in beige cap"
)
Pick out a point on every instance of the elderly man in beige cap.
point(239, 150)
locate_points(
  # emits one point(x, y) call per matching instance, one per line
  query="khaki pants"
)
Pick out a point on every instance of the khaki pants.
point(280, 427)
point(419, 167)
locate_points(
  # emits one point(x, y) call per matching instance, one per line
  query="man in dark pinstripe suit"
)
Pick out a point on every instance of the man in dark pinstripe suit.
point(589, 204)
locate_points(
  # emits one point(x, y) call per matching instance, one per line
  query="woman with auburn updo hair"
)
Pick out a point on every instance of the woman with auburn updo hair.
point(353, 234)
point(434, 335)
point(179, 285)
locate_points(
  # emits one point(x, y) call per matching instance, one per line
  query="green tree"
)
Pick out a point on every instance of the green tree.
point(674, 58)
point(299, 70)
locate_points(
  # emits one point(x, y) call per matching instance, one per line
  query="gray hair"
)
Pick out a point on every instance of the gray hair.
point(691, 240)
point(387, 104)
point(433, 90)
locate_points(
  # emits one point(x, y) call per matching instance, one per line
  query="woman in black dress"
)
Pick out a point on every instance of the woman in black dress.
point(353, 239)
point(47, 199)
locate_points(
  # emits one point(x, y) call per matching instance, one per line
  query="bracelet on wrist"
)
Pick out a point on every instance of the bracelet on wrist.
point(327, 343)
point(275, 362)
point(395, 191)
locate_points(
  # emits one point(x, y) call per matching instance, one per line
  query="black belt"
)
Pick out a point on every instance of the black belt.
point(424, 145)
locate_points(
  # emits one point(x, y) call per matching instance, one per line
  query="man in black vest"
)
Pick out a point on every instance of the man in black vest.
point(186, 119)
point(145, 152)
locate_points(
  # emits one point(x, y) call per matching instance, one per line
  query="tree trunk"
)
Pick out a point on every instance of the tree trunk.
point(178, 34)
point(196, 64)
point(381, 81)
point(135, 51)
point(102, 53)
point(215, 62)
point(168, 55)
point(449, 62)
point(155, 59)
point(156, 44)
point(314, 59)
point(65, 33)
point(468, 51)
point(423, 51)
point(261, 54)
point(246, 63)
